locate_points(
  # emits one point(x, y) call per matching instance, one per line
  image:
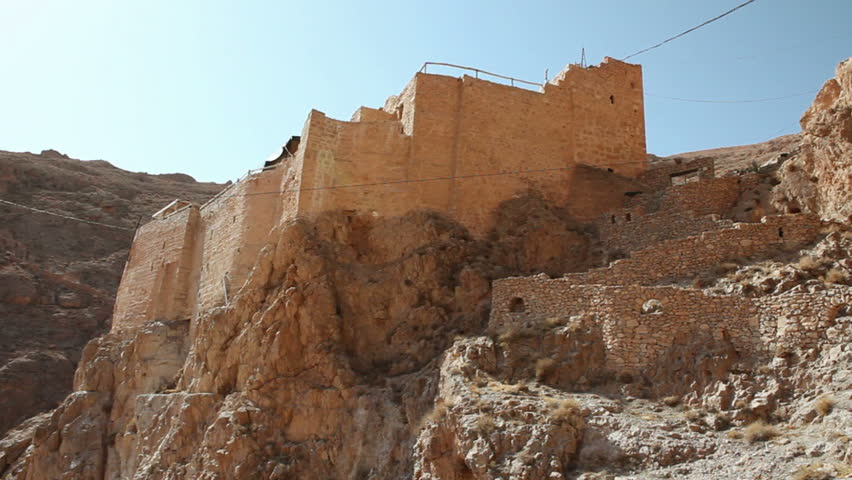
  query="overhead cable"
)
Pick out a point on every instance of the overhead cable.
point(690, 30)
point(67, 217)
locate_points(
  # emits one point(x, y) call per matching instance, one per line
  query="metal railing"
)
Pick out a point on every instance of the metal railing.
point(477, 71)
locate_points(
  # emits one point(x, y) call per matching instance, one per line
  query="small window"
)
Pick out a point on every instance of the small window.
point(627, 217)
point(613, 219)
point(612, 99)
point(517, 305)
point(610, 170)
point(780, 232)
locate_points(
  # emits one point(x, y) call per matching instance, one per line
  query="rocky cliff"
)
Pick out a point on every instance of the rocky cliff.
point(365, 347)
point(58, 277)
point(819, 178)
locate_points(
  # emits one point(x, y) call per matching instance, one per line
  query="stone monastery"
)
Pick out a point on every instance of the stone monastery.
point(461, 147)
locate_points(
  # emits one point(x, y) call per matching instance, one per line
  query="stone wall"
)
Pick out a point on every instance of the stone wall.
point(457, 145)
point(670, 173)
point(686, 257)
point(636, 338)
point(236, 225)
point(676, 212)
point(158, 281)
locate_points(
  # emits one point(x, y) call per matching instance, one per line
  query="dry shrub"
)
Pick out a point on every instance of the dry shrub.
point(824, 404)
point(543, 367)
point(514, 332)
point(553, 322)
point(485, 424)
point(764, 369)
point(822, 471)
point(436, 414)
point(735, 434)
point(505, 388)
point(808, 263)
point(565, 410)
point(759, 431)
point(693, 415)
point(672, 401)
point(835, 275)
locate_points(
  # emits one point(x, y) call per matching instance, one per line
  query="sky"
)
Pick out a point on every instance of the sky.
point(211, 88)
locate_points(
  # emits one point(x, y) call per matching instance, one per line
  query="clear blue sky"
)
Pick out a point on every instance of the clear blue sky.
point(210, 88)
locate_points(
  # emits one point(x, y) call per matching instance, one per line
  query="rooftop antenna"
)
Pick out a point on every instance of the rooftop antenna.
point(583, 58)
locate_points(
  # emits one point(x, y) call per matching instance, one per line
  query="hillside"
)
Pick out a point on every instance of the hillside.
point(691, 321)
point(58, 277)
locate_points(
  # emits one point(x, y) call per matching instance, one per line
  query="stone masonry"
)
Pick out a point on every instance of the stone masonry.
point(459, 146)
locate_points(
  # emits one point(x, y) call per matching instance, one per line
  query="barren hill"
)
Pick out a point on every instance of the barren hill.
point(58, 277)
point(697, 326)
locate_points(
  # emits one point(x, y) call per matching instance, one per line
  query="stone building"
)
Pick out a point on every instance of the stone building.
point(459, 146)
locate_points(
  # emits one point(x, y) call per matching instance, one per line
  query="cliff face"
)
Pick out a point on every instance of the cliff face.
point(819, 178)
point(58, 277)
point(370, 347)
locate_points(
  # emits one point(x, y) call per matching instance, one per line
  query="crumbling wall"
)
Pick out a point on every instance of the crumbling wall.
point(676, 212)
point(641, 323)
point(666, 174)
point(635, 337)
point(686, 257)
point(803, 319)
point(158, 281)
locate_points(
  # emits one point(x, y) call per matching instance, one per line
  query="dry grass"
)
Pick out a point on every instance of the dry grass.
point(543, 367)
point(565, 410)
point(672, 401)
point(505, 387)
point(735, 434)
point(821, 471)
point(693, 415)
point(554, 322)
point(836, 275)
point(759, 431)
point(436, 414)
point(515, 332)
point(824, 404)
point(808, 263)
point(485, 424)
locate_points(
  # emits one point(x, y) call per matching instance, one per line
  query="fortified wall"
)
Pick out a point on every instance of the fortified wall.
point(459, 146)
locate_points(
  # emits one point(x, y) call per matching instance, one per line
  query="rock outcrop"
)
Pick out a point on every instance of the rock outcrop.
point(367, 347)
point(819, 178)
point(58, 278)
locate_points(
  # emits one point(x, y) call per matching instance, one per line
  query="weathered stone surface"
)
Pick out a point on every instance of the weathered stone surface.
point(819, 178)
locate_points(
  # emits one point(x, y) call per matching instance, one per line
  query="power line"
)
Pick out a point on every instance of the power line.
point(758, 100)
point(67, 217)
point(420, 180)
point(690, 30)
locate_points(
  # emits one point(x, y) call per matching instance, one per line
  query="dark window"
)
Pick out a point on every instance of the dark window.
point(781, 232)
point(612, 99)
point(517, 305)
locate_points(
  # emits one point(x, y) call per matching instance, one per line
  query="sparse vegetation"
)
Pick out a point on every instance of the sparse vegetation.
point(693, 415)
point(822, 471)
point(759, 431)
point(485, 424)
point(543, 367)
point(672, 401)
point(808, 263)
point(735, 434)
point(824, 404)
point(835, 275)
point(564, 410)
